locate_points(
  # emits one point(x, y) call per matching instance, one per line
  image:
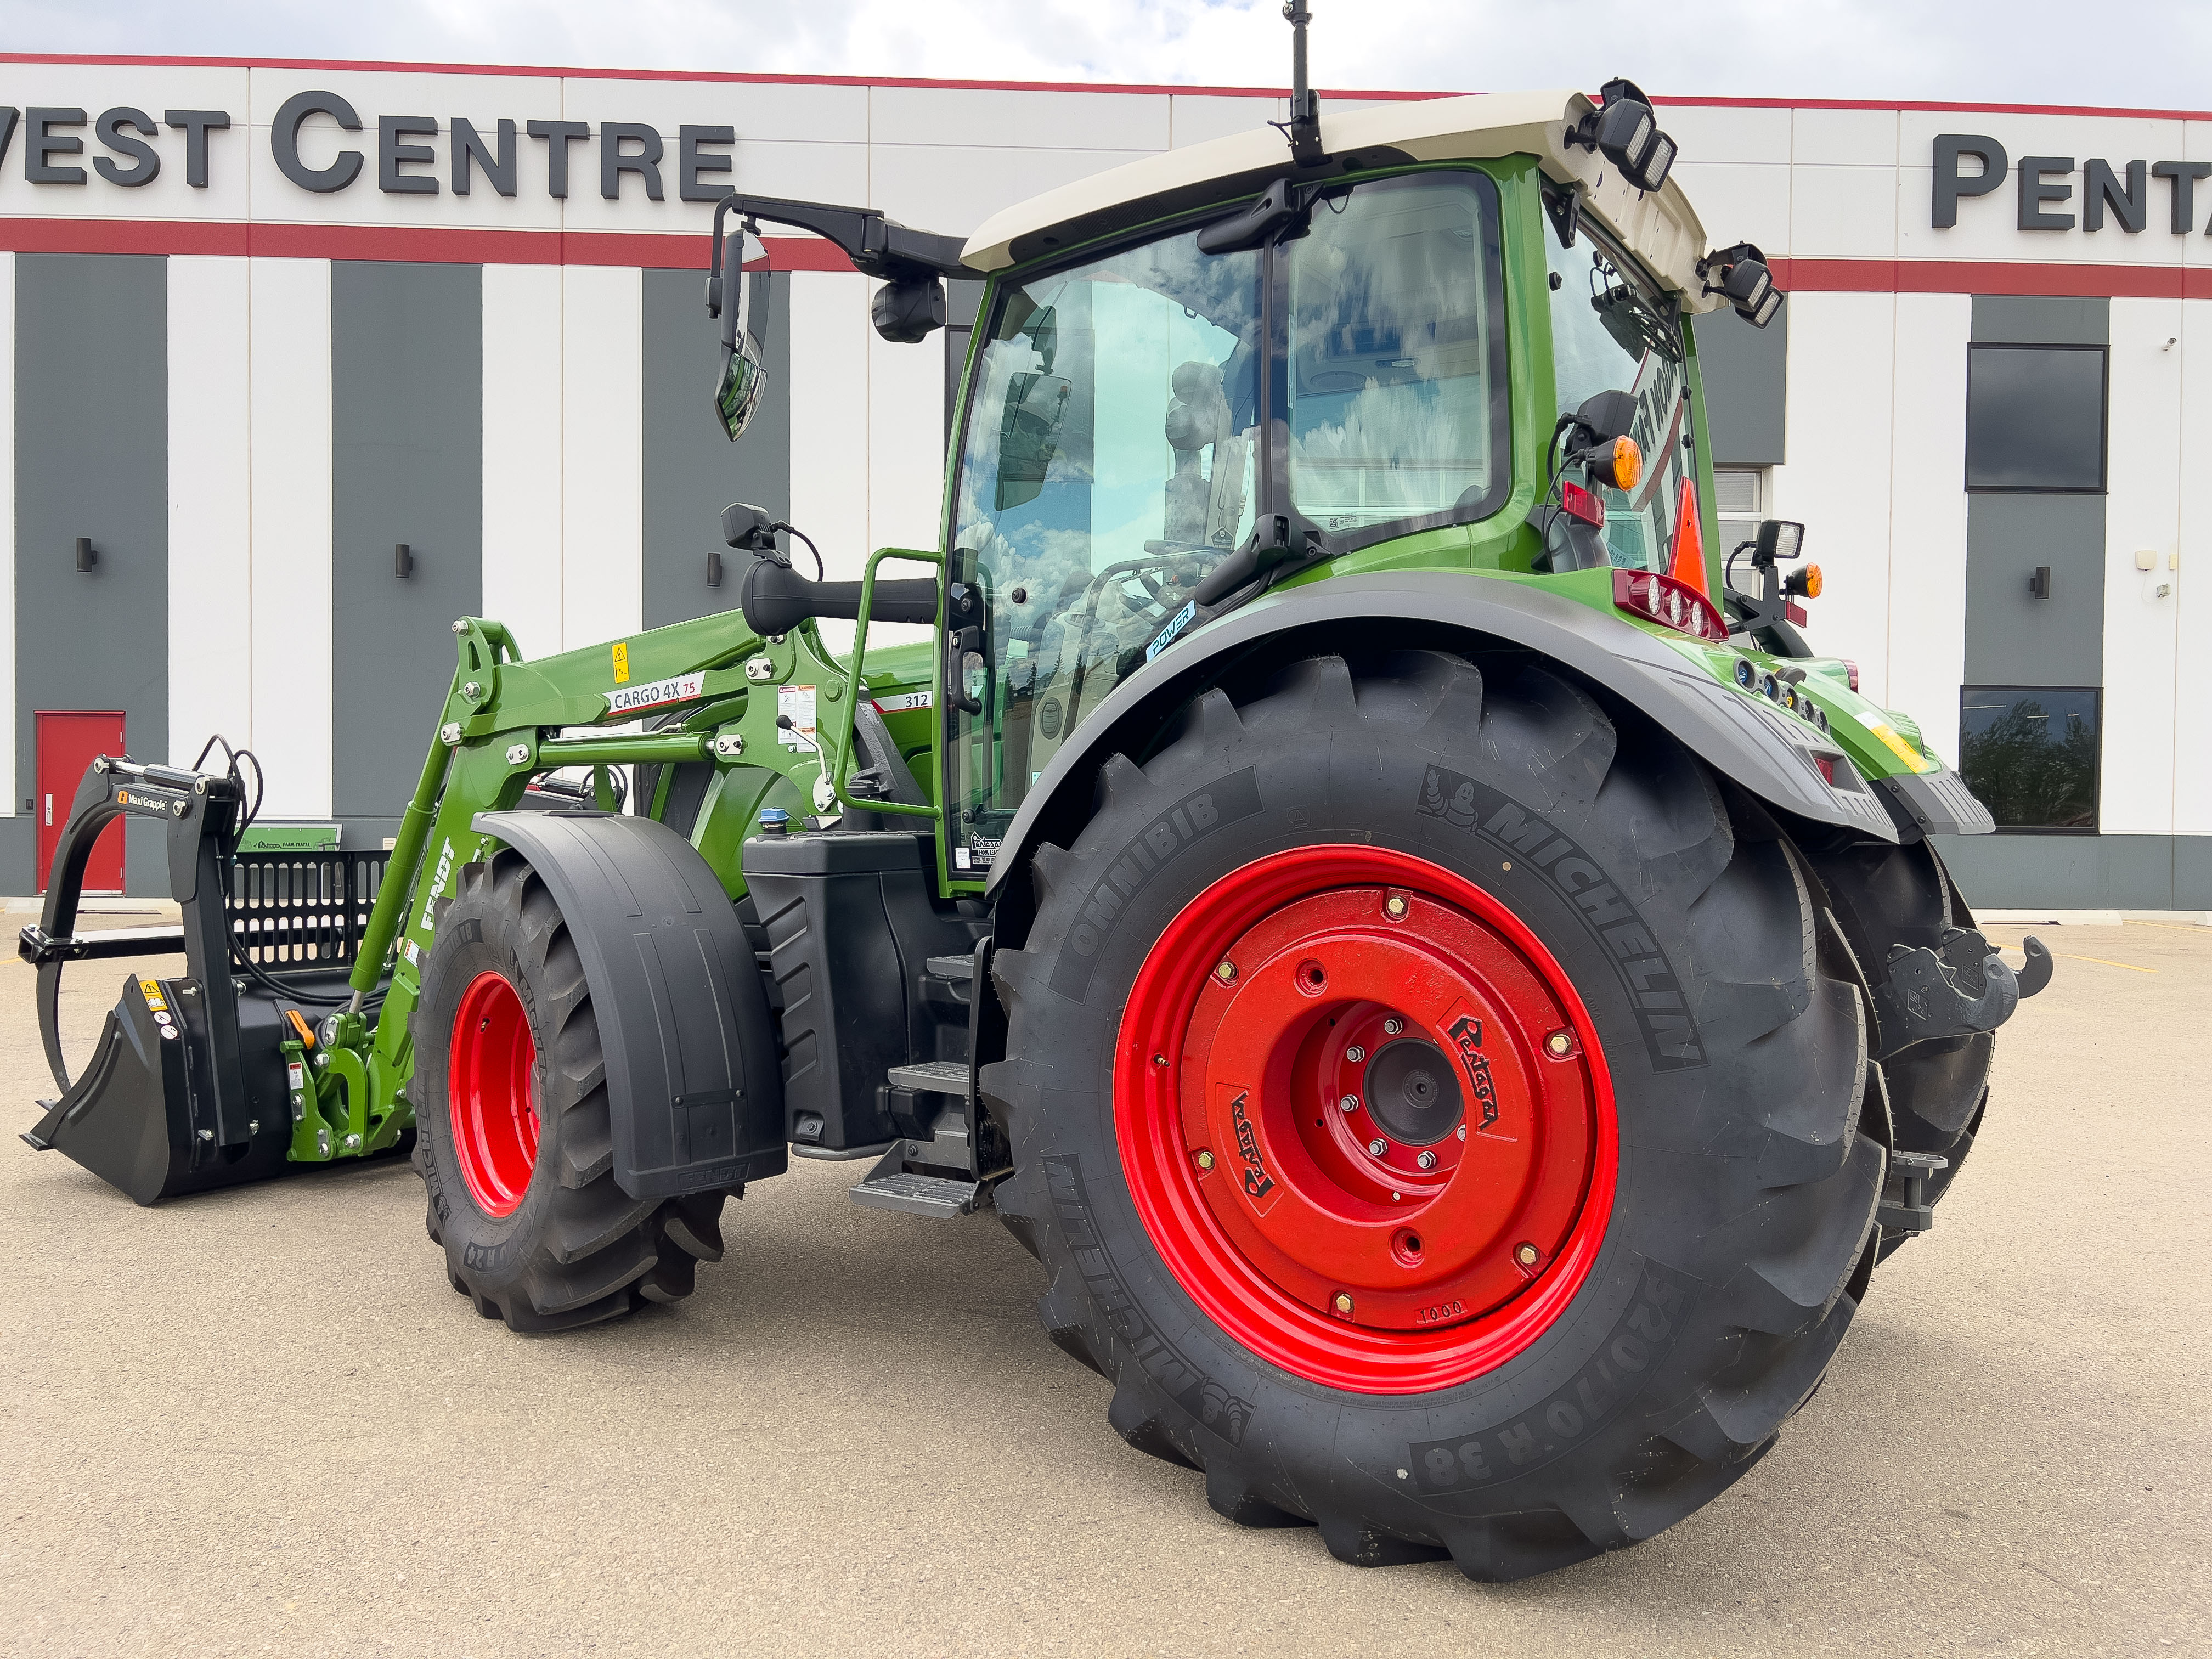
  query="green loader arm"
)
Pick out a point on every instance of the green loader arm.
point(506, 719)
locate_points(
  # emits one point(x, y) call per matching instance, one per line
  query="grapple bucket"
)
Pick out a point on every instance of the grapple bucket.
point(191, 1084)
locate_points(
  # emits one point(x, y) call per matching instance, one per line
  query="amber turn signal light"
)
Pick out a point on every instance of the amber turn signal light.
point(1805, 583)
point(1618, 463)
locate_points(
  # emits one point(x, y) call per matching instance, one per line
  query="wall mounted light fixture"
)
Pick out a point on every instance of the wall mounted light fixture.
point(87, 554)
point(403, 561)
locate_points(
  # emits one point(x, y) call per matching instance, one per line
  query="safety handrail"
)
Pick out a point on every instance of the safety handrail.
point(841, 762)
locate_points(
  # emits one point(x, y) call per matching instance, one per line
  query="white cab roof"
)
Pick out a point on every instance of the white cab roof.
point(1661, 228)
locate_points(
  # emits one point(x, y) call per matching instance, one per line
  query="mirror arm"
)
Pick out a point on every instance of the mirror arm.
point(878, 246)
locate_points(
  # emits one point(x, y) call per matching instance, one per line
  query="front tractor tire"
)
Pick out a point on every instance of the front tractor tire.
point(1439, 1113)
point(514, 1145)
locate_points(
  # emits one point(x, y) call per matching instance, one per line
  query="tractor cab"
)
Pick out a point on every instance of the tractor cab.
point(1459, 341)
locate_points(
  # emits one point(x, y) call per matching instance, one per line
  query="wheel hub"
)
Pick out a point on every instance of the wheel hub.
point(1357, 1139)
point(490, 1066)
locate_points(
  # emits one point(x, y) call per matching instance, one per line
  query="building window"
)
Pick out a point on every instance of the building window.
point(2030, 754)
point(2035, 418)
point(1740, 503)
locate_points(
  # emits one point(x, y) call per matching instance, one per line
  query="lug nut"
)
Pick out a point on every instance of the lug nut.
point(1376, 1147)
point(1204, 1160)
point(1225, 971)
point(1426, 1160)
point(1395, 907)
point(1355, 1053)
point(1526, 1254)
point(1560, 1044)
point(1349, 1103)
point(1393, 1025)
point(1343, 1303)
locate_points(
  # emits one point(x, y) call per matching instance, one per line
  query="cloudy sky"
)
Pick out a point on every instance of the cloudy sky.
point(2149, 54)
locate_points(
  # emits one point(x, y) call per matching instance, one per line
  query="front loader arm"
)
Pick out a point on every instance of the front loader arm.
point(505, 721)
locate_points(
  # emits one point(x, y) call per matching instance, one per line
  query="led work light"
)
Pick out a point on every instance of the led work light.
point(1625, 130)
point(1741, 275)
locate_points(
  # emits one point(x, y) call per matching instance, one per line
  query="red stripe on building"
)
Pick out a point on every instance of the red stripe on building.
point(653, 250)
point(1994, 276)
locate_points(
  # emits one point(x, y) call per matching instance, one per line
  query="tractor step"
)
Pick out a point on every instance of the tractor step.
point(892, 1187)
point(933, 1077)
point(960, 970)
point(927, 1177)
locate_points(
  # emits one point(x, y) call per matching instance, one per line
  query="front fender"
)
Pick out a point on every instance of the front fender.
point(695, 1088)
point(1763, 749)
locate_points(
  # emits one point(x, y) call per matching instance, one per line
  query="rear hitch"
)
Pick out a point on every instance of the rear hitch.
point(1904, 1207)
point(1925, 998)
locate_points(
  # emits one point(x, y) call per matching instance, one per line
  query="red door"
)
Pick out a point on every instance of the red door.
point(67, 740)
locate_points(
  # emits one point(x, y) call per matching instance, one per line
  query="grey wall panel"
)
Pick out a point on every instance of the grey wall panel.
point(92, 443)
point(2041, 319)
point(2012, 638)
point(406, 465)
point(692, 471)
point(2192, 872)
point(2074, 872)
point(1746, 376)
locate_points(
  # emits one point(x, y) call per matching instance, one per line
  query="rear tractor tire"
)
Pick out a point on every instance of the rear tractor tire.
point(1439, 1115)
point(515, 1144)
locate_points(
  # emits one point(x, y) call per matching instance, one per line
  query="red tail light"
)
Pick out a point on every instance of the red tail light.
point(1578, 502)
point(1828, 765)
point(1851, 674)
point(1674, 604)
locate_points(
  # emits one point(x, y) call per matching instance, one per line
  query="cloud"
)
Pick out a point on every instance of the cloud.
point(1979, 51)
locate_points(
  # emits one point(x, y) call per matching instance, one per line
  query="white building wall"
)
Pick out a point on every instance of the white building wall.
point(2145, 478)
point(525, 454)
point(288, 340)
point(2191, 578)
point(602, 453)
point(211, 631)
point(1841, 420)
point(1925, 604)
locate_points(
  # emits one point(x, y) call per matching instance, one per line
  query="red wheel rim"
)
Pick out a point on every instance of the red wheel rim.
point(1435, 1225)
point(489, 1075)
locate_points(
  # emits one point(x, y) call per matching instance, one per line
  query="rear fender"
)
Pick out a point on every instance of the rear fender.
point(694, 1086)
point(1765, 751)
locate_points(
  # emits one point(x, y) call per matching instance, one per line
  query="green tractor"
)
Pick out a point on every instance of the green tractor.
point(1457, 1000)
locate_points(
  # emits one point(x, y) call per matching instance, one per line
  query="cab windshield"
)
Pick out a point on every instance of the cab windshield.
point(1612, 331)
point(1116, 445)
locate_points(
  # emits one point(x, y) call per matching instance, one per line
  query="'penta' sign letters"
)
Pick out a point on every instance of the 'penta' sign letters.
point(405, 165)
point(2046, 192)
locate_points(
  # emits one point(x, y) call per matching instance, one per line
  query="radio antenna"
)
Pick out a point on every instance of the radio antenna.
point(1304, 129)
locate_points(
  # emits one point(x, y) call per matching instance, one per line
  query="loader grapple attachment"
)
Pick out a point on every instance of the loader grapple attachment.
point(202, 1078)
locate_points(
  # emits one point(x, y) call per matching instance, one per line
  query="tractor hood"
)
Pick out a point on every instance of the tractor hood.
point(1660, 228)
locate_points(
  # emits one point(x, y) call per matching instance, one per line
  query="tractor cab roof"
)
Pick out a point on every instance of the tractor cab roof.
point(1660, 228)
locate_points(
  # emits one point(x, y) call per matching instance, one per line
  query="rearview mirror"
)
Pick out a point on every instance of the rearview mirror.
point(745, 370)
point(1029, 435)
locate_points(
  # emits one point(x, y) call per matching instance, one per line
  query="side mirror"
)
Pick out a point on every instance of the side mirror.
point(744, 371)
point(1029, 435)
point(1779, 538)
point(907, 311)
